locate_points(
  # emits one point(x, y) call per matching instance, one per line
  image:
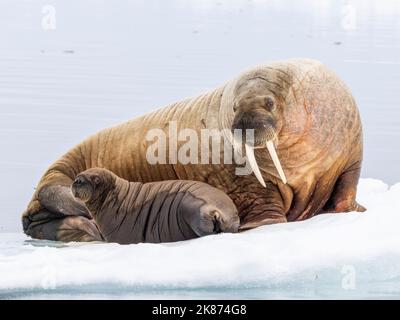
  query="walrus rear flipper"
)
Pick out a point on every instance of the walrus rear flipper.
point(49, 226)
point(54, 214)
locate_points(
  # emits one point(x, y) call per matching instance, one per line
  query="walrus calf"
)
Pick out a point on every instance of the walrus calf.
point(168, 211)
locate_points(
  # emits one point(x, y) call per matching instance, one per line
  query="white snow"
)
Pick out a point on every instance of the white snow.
point(317, 254)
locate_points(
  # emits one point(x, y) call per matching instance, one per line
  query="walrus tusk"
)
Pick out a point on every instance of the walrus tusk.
point(254, 165)
point(275, 159)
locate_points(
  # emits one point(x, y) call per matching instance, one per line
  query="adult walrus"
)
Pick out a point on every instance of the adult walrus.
point(298, 108)
point(166, 211)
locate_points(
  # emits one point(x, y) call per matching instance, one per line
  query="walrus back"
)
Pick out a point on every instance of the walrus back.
point(122, 149)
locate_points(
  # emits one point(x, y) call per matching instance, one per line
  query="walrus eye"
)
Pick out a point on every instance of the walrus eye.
point(270, 103)
point(96, 180)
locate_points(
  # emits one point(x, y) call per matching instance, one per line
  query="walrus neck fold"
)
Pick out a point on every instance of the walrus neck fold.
point(106, 197)
point(94, 204)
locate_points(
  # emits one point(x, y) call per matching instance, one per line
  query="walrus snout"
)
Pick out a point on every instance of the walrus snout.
point(260, 113)
point(263, 125)
point(81, 188)
point(256, 113)
point(79, 181)
point(232, 225)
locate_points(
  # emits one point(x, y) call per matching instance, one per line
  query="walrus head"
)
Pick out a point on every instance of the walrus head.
point(92, 184)
point(262, 114)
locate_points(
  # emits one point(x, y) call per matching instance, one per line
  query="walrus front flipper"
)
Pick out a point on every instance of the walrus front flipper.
point(59, 199)
point(54, 214)
point(260, 205)
point(48, 226)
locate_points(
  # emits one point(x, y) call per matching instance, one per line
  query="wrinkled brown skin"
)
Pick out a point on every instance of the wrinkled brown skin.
point(319, 143)
point(166, 211)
